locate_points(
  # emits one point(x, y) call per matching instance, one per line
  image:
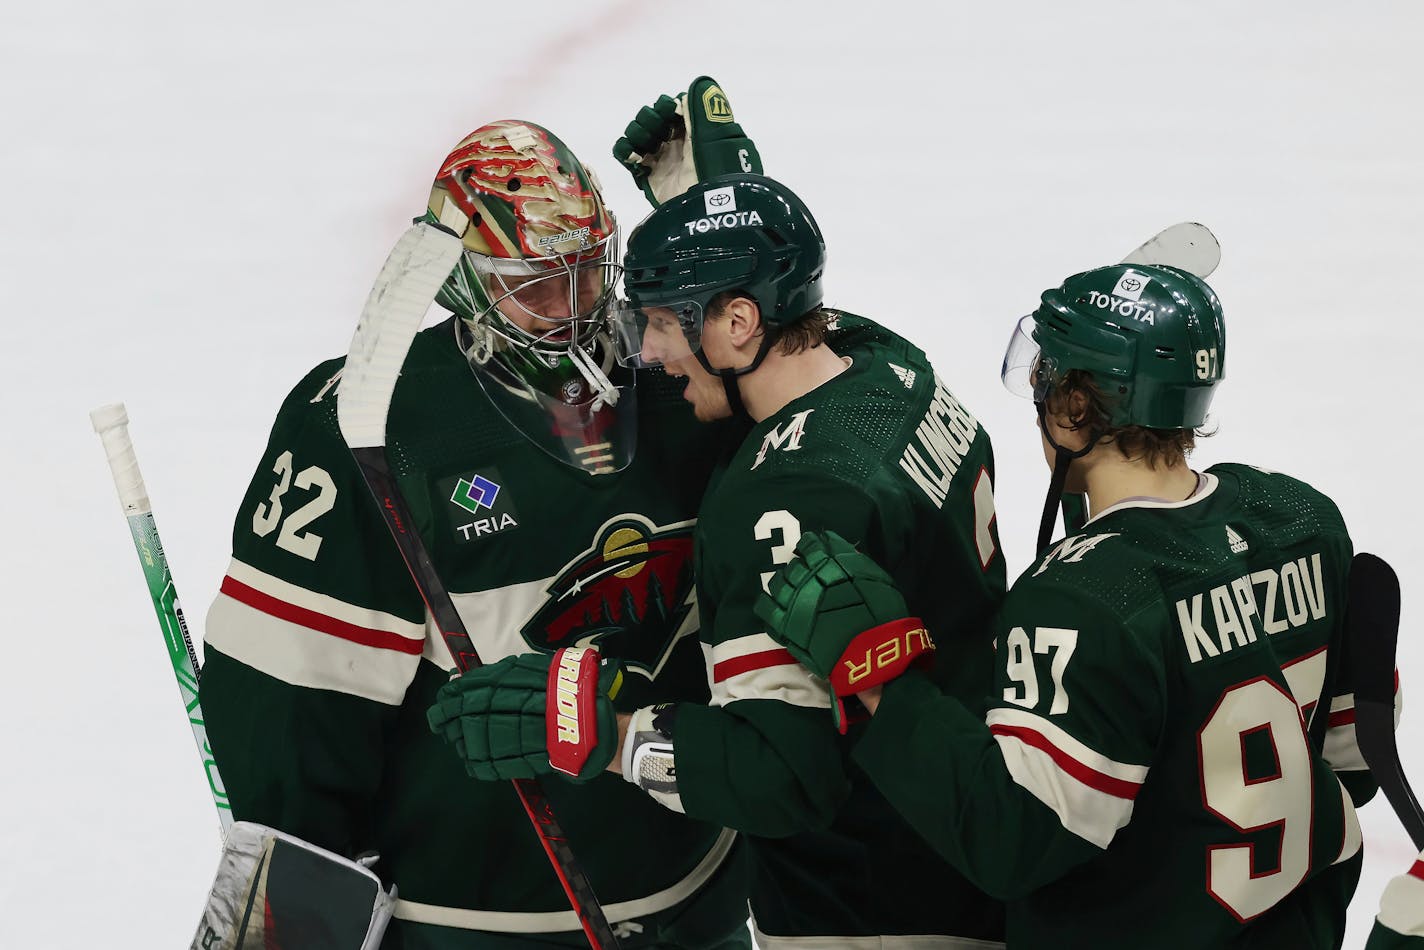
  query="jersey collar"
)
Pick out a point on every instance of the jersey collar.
point(1206, 484)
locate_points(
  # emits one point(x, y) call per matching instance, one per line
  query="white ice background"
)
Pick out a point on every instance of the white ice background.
point(196, 196)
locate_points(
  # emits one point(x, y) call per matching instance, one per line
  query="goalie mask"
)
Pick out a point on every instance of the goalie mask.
point(1151, 336)
point(533, 286)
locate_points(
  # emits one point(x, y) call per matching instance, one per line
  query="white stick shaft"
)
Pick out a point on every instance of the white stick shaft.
point(112, 424)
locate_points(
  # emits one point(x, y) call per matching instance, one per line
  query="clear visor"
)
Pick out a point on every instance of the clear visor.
point(655, 336)
point(1023, 370)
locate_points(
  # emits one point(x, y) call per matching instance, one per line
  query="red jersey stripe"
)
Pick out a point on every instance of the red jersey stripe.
point(312, 620)
point(1089, 776)
point(738, 665)
point(1342, 717)
point(1417, 870)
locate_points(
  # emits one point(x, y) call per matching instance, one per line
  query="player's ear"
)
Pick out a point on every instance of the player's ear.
point(1077, 405)
point(745, 320)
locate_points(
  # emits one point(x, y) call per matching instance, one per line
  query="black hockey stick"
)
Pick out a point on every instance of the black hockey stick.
point(1372, 635)
point(403, 291)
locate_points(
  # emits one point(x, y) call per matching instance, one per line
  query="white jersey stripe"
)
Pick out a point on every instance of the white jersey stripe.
point(1091, 794)
point(337, 610)
point(1402, 906)
point(566, 920)
point(757, 667)
point(303, 656)
point(1022, 718)
point(1353, 839)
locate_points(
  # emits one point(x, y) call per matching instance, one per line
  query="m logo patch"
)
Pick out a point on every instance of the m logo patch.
point(787, 441)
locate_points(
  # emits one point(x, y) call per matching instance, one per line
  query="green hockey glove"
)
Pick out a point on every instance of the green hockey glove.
point(839, 613)
point(531, 714)
point(677, 142)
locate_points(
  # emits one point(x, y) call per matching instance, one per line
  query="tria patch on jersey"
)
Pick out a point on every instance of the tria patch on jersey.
point(1238, 543)
point(906, 376)
point(487, 508)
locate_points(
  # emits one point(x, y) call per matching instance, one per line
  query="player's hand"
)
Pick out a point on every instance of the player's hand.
point(678, 141)
point(531, 714)
point(840, 614)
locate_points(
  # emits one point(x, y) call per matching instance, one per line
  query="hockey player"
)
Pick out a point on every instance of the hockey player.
point(1144, 776)
point(1400, 924)
point(512, 433)
point(852, 432)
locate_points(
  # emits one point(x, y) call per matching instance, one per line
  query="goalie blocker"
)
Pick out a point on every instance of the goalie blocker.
point(277, 892)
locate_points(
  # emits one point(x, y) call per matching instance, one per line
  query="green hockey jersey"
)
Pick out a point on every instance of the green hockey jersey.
point(321, 663)
point(1145, 778)
point(885, 455)
point(1400, 924)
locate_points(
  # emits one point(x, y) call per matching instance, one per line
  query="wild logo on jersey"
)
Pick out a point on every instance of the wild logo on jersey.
point(629, 594)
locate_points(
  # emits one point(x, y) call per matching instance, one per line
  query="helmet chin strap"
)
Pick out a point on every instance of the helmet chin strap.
point(1062, 459)
point(728, 377)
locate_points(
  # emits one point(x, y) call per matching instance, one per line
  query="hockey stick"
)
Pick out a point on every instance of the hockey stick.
point(403, 291)
point(111, 423)
point(1194, 249)
point(1372, 635)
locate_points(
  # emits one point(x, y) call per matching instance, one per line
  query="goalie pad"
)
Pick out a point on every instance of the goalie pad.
point(277, 892)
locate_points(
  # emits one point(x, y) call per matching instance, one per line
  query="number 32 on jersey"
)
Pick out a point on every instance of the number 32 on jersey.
point(293, 536)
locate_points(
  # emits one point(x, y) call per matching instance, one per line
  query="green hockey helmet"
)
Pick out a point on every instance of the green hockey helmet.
point(1152, 337)
point(533, 286)
point(744, 233)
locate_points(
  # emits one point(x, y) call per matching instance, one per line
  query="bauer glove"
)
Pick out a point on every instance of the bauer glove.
point(839, 613)
point(677, 142)
point(531, 714)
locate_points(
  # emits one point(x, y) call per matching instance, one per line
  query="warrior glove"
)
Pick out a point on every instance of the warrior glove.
point(677, 142)
point(839, 613)
point(531, 714)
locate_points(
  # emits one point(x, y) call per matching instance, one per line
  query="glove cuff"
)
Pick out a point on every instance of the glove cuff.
point(572, 720)
point(880, 654)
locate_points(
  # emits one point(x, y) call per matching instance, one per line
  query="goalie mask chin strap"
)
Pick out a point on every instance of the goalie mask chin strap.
point(1062, 459)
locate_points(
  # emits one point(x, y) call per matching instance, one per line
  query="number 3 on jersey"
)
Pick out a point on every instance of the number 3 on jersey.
point(269, 513)
point(782, 529)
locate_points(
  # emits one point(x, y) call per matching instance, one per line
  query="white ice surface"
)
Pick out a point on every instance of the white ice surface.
point(195, 198)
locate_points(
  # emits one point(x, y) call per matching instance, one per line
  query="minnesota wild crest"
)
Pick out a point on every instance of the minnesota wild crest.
point(629, 594)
